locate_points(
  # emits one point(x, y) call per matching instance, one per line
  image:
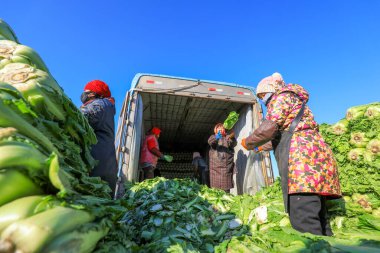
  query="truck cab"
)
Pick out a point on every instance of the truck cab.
point(186, 110)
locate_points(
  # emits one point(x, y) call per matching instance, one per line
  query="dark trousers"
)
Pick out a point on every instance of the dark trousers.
point(308, 213)
point(148, 172)
point(203, 176)
point(157, 172)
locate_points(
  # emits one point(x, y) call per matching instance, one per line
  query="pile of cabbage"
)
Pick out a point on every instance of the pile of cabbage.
point(355, 141)
point(182, 216)
point(48, 202)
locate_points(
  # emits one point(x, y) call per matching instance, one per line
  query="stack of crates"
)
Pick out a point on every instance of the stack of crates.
point(181, 167)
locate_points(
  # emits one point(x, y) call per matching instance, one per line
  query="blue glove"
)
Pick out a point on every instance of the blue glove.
point(218, 136)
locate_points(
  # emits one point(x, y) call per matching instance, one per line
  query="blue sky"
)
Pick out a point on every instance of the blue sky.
point(332, 48)
point(329, 47)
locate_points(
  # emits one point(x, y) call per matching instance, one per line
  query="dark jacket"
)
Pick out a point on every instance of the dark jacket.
point(198, 162)
point(100, 114)
point(221, 163)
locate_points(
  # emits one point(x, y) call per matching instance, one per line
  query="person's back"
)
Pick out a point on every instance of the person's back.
point(201, 169)
point(100, 114)
point(99, 109)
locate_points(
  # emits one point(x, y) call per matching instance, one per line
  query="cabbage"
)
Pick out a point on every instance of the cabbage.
point(373, 111)
point(340, 127)
point(231, 120)
point(359, 140)
point(356, 112)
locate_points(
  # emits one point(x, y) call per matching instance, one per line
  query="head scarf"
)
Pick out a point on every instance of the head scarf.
point(271, 84)
point(100, 88)
point(196, 154)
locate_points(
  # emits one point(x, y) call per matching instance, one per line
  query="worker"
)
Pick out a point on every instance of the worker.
point(201, 171)
point(150, 153)
point(307, 167)
point(99, 109)
point(221, 156)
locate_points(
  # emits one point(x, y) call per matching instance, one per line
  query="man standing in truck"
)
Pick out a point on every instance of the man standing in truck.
point(221, 155)
point(150, 153)
point(99, 109)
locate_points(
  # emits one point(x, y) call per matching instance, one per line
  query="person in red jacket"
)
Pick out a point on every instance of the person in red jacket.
point(150, 153)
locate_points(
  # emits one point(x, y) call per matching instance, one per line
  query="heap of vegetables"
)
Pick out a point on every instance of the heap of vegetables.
point(355, 141)
point(181, 216)
point(48, 202)
point(166, 213)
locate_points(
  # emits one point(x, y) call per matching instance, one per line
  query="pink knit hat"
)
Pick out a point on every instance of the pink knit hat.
point(270, 84)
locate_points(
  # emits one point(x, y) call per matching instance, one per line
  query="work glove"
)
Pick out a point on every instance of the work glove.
point(255, 149)
point(244, 144)
point(168, 158)
point(218, 136)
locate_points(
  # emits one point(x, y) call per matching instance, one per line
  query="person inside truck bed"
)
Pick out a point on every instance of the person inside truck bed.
point(306, 164)
point(201, 171)
point(99, 109)
point(150, 153)
point(221, 156)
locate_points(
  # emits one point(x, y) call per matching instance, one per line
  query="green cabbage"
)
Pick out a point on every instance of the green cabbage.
point(231, 120)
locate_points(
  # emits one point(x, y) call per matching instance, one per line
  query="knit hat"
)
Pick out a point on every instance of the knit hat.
point(99, 87)
point(270, 84)
point(196, 154)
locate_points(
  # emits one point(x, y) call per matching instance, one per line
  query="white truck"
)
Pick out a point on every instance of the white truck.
point(186, 110)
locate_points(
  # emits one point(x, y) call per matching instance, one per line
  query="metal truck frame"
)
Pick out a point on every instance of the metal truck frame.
point(186, 110)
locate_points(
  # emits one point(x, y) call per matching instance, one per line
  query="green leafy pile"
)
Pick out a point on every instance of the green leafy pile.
point(179, 212)
point(355, 142)
point(48, 201)
point(181, 216)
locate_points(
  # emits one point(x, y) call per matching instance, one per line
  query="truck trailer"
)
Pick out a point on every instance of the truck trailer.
point(186, 110)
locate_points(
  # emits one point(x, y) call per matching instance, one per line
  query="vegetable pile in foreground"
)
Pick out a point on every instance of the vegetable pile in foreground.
point(48, 201)
point(182, 216)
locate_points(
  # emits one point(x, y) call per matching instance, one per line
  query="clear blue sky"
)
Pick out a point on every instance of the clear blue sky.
point(332, 48)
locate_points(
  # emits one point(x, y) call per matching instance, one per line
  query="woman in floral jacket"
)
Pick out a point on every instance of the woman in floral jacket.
point(306, 164)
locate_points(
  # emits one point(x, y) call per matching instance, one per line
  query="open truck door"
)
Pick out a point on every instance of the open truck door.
point(187, 110)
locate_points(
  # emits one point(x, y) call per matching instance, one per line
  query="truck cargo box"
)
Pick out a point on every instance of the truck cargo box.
point(187, 110)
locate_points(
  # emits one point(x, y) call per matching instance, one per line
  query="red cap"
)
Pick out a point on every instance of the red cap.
point(156, 131)
point(99, 87)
